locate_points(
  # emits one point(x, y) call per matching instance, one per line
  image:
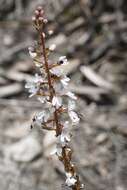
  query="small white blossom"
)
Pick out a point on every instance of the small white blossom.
point(56, 71)
point(52, 47)
point(38, 78)
point(42, 99)
point(32, 53)
point(71, 105)
point(73, 116)
point(42, 117)
point(34, 85)
point(63, 60)
point(65, 135)
point(71, 95)
point(33, 88)
point(50, 107)
point(65, 80)
point(57, 150)
point(70, 181)
point(57, 101)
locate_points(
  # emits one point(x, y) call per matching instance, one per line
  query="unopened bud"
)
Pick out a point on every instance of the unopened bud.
point(45, 21)
point(33, 18)
point(39, 8)
point(82, 186)
point(43, 34)
point(32, 52)
point(52, 47)
point(41, 12)
point(40, 19)
point(50, 32)
point(31, 48)
point(37, 13)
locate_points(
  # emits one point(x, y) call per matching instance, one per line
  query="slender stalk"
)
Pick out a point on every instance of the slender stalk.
point(66, 154)
point(67, 165)
point(58, 126)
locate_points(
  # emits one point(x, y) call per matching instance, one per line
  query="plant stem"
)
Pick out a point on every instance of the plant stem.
point(67, 163)
point(58, 127)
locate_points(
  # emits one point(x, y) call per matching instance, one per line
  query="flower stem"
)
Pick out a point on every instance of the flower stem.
point(58, 126)
point(66, 155)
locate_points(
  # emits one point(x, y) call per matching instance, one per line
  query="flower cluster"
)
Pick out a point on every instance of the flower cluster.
point(50, 87)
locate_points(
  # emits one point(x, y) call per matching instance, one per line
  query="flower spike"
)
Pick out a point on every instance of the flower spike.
point(50, 87)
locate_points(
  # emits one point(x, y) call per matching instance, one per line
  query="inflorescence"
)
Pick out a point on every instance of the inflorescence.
point(50, 87)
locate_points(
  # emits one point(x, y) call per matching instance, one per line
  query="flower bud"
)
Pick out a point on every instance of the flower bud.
point(43, 34)
point(52, 47)
point(37, 13)
point(50, 32)
point(40, 20)
point(45, 21)
point(32, 52)
point(39, 8)
point(41, 12)
point(34, 19)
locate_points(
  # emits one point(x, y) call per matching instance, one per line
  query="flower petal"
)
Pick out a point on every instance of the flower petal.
point(73, 116)
point(71, 95)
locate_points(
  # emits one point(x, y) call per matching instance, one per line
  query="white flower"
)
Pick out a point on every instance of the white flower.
point(42, 117)
point(70, 181)
point(42, 99)
point(32, 53)
point(73, 116)
point(34, 85)
point(37, 78)
point(57, 150)
point(65, 80)
point(71, 95)
point(57, 101)
point(56, 71)
point(65, 135)
point(63, 60)
point(33, 88)
point(50, 107)
point(71, 105)
point(52, 47)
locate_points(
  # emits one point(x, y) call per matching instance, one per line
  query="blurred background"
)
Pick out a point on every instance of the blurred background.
point(93, 35)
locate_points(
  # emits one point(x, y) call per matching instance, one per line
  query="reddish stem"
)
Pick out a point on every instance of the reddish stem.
point(58, 126)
